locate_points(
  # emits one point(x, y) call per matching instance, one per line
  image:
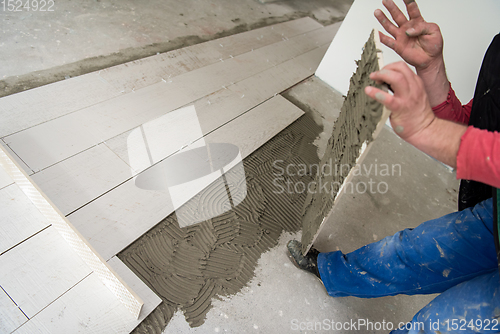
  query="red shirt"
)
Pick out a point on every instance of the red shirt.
point(478, 156)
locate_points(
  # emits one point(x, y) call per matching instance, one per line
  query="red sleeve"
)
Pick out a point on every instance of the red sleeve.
point(478, 156)
point(452, 109)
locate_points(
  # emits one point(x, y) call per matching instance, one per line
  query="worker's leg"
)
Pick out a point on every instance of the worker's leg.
point(470, 307)
point(431, 258)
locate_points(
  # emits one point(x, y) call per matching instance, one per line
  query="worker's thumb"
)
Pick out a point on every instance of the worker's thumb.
point(418, 30)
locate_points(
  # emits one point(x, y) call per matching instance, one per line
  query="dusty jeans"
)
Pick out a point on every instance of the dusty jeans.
point(453, 255)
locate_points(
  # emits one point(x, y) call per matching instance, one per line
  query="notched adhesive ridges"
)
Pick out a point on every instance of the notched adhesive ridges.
point(355, 125)
point(188, 267)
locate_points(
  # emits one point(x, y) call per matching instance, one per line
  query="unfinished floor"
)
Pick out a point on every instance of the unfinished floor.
point(42, 47)
point(250, 113)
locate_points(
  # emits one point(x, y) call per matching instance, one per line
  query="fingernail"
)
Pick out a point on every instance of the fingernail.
point(379, 96)
point(410, 31)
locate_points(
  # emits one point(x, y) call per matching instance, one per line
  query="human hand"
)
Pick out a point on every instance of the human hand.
point(410, 110)
point(418, 42)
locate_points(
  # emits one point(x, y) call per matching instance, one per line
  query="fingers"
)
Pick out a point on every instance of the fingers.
point(386, 40)
point(400, 77)
point(379, 95)
point(409, 106)
point(395, 12)
point(397, 75)
point(412, 9)
point(386, 23)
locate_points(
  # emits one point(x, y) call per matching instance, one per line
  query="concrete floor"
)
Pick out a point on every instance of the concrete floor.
point(37, 48)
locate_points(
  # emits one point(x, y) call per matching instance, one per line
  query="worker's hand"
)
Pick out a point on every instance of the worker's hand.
point(410, 110)
point(419, 43)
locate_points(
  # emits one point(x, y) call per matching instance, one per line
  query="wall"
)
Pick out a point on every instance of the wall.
point(467, 28)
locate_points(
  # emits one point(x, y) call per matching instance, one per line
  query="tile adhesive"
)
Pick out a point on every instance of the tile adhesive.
point(358, 119)
point(188, 267)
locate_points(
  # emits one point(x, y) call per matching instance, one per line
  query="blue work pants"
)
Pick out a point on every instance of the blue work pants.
point(453, 255)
